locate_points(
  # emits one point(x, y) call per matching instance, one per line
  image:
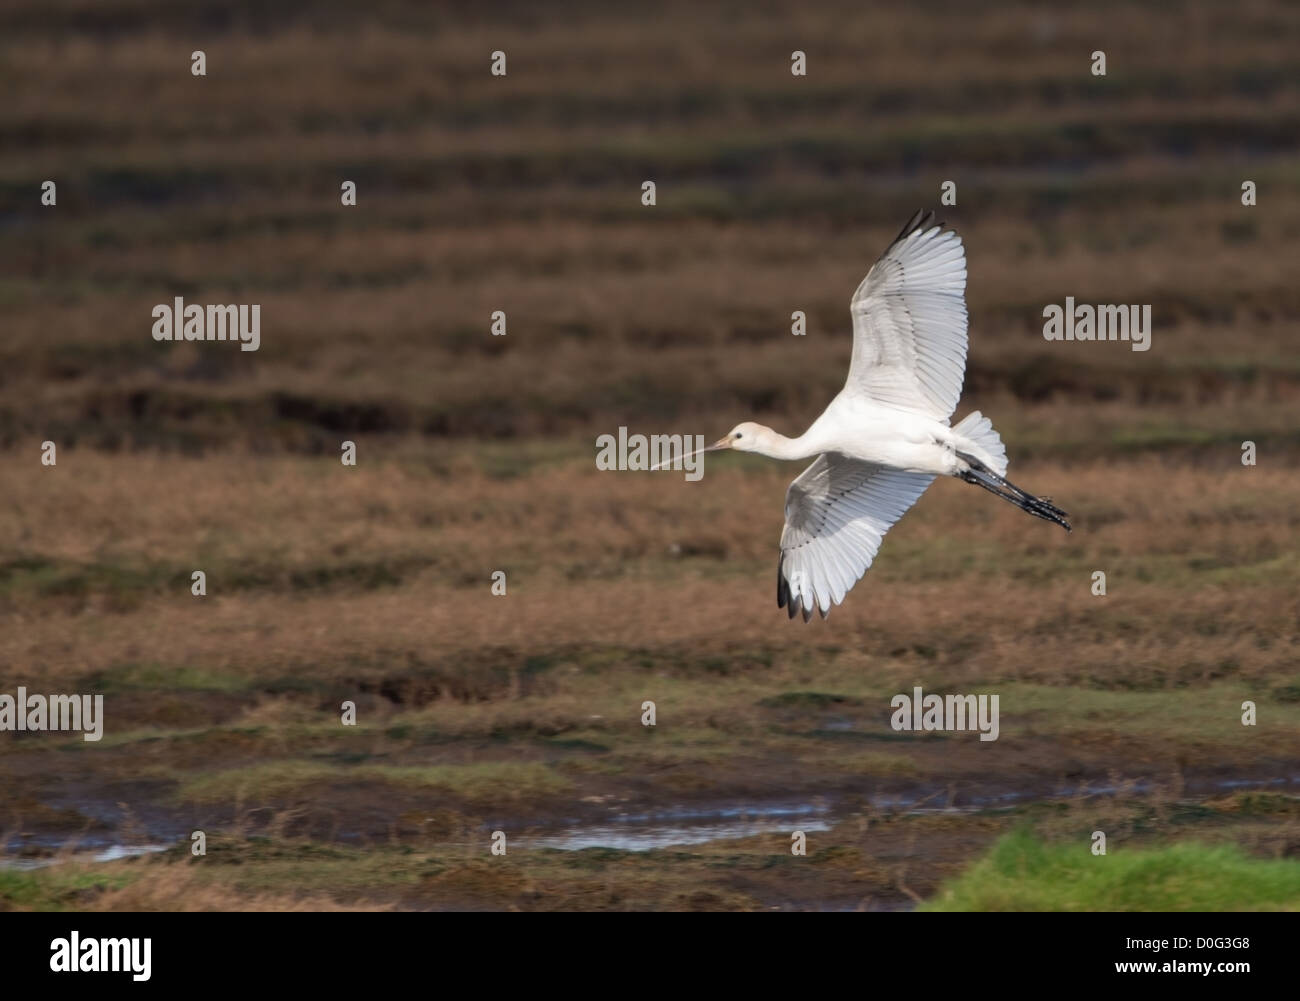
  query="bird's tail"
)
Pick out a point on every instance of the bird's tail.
point(987, 462)
point(978, 431)
point(1040, 507)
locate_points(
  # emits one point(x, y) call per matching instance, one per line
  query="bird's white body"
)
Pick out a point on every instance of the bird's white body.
point(885, 436)
point(857, 428)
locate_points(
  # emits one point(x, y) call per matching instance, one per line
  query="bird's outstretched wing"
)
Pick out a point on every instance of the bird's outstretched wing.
point(909, 322)
point(836, 513)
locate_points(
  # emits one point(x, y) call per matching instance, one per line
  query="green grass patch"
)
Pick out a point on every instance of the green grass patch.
point(1022, 873)
point(153, 676)
point(53, 889)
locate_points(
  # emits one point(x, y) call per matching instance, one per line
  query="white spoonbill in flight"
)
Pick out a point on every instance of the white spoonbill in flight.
point(885, 437)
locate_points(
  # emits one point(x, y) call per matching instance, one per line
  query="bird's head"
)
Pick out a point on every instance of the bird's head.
point(745, 437)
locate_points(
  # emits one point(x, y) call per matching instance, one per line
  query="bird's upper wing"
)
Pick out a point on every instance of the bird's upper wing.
point(836, 513)
point(909, 322)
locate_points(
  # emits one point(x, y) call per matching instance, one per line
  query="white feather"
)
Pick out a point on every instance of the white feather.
point(836, 514)
point(909, 325)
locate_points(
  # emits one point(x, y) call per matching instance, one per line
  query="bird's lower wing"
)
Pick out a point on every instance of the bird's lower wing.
point(836, 514)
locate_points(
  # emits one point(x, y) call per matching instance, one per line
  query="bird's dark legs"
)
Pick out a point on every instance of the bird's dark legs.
point(1039, 507)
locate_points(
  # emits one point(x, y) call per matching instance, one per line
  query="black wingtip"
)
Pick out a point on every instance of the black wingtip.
point(921, 219)
point(784, 599)
point(794, 604)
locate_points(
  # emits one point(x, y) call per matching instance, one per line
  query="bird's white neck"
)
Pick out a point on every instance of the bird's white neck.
point(778, 446)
